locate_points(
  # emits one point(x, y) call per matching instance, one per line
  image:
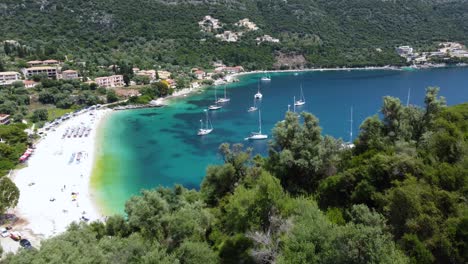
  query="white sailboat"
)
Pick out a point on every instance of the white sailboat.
point(266, 78)
point(208, 126)
point(301, 101)
point(258, 135)
point(254, 107)
point(350, 144)
point(258, 95)
point(225, 99)
point(215, 106)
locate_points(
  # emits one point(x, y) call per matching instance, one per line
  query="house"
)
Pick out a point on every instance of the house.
point(69, 75)
point(4, 119)
point(404, 50)
point(29, 84)
point(459, 53)
point(199, 74)
point(7, 78)
point(51, 72)
point(110, 81)
point(34, 63)
point(229, 36)
point(246, 23)
point(209, 24)
point(267, 38)
point(51, 62)
point(46, 62)
point(163, 75)
point(150, 73)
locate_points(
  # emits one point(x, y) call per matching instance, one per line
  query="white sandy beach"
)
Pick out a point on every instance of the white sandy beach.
point(46, 205)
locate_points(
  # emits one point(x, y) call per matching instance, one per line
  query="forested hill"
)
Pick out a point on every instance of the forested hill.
point(148, 32)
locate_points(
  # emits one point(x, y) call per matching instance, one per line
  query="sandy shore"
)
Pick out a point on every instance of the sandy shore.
point(55, 185)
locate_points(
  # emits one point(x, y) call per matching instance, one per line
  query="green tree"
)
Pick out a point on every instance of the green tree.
point(40, 115)
point(111, 96)
point(9, 194)
point(196, 253)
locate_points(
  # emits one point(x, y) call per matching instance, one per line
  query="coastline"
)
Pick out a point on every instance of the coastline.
point(230, 78)
point(55, 187)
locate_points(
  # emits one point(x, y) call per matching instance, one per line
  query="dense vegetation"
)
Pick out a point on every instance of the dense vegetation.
point(166, 32)
point(398, 196)
point(13, 144)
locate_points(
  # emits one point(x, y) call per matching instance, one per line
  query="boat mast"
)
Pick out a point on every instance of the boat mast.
point(206, 112)
point(408, 98)
point(294, 107)
point(351, 127)
point(259, 122)
point(225, 92)
point(216, 97)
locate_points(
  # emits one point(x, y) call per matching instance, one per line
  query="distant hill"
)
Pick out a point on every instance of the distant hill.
point(149, 32)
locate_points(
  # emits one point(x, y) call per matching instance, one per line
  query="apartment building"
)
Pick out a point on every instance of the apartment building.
point(69, 75)
point(110, 81)
point(150, 73)
point(51, 72)
point(7, 78)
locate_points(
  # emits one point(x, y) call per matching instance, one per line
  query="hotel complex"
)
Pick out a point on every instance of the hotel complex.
point(50, 72)
point(7, 78)
point(110, 81)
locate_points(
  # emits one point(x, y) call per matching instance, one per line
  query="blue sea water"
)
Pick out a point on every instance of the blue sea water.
point(142, 149)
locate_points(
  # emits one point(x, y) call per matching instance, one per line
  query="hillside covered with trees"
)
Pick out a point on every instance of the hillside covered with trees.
point(398, 196)
point(145, 33)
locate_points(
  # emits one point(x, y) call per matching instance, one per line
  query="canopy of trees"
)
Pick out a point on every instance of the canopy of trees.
point(145, 33)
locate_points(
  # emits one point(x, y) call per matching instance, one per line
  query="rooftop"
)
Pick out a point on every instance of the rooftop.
point(8, 72)
point(40, 68)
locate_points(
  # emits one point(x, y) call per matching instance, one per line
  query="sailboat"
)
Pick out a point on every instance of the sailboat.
point(208, 126)
point(225, 99)
point(258, 135)
point(266, 78)
point(253, 108)
point(215, 106)
point(258, 95)
point(350, 144)
point(301, 101)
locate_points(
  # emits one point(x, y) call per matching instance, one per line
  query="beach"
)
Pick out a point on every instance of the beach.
point(55, 186)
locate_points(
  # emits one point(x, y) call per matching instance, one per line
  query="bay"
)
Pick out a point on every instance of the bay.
point(143, 149)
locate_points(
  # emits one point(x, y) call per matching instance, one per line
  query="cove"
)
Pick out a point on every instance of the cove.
point(143, 149)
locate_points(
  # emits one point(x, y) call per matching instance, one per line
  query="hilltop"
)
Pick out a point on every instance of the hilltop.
point(148, 32)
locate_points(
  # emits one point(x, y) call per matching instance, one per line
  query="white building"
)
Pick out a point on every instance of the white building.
point(404, 50)
point(7, 78)
point(246, 23)
point(110, 81)
point(69, 75)
point(50, 72)
point(150, 73)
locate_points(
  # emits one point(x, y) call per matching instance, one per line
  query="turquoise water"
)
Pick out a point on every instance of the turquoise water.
point(147, 148)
